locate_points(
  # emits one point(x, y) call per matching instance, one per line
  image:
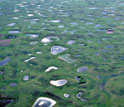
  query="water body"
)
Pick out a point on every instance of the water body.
point(3, 103)
point(5, 100)
point(83, 39)
point(5, 61)
point(14, 32)
point(109, 46)
point(122, 58)
point(32, 35)
point(11, 24)
point(1, 35)
point(10, 36)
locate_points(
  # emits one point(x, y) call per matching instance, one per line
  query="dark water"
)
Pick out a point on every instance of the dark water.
point(4, 100)
point(3, 103)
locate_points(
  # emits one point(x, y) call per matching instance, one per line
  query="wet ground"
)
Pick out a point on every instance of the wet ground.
point(84, 39)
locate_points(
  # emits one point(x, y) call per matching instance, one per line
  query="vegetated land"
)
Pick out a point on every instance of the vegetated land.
point(96, 28)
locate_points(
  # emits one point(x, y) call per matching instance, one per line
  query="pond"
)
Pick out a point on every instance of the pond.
point(70, 42)
point(11, 24)
point(5, 61)
point(57, 49)
point(58, 83)
point(10, 36)
point(55, 21)
point(82, 69)
point(3, 103)
point(1, 35)
point(32, 35)
point(5, 42)
point(79, 96)
point(44, 102)
point(14, 32)
point(5, 100)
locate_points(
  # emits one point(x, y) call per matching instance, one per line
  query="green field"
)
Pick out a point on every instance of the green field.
point(97, 29)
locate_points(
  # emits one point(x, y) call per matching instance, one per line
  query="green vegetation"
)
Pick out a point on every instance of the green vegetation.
point(96, 26)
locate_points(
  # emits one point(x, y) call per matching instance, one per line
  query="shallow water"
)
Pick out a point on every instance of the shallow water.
point(5, 61)
point(83, 39)
point(14, 32)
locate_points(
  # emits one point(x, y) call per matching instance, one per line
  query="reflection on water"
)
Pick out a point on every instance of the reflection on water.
point(5, 61)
